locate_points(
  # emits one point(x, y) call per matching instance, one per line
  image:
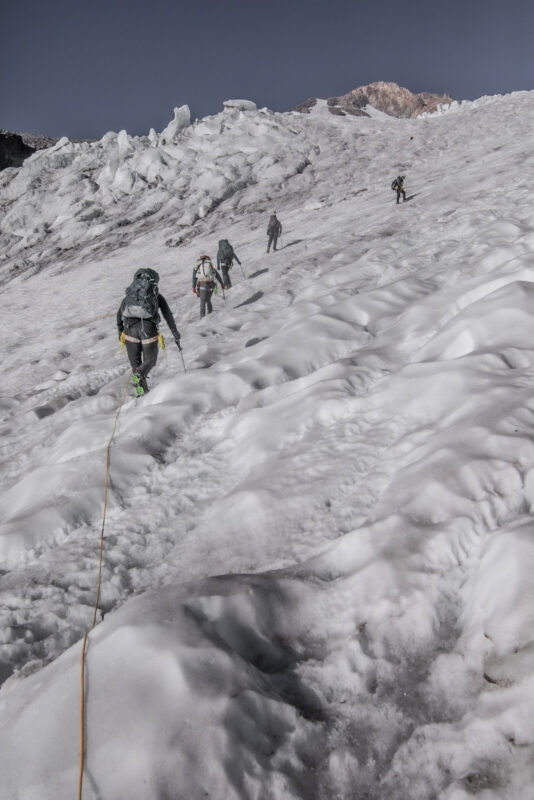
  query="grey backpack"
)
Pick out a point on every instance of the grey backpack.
point(141, 300)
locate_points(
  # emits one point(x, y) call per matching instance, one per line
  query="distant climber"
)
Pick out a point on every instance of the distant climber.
point(204, 277)
point(398, 186)
point(274, 230)
point(225, 260)
point(137, 323)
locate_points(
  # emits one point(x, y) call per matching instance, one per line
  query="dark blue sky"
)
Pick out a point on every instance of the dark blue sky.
point(82, 68)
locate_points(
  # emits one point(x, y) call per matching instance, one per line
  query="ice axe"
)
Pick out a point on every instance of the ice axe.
point(181, 354)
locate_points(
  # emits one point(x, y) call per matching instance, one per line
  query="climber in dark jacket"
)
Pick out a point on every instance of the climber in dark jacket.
point(225, 260)
point(398, 186)
point(138, 326)
point(274, 230)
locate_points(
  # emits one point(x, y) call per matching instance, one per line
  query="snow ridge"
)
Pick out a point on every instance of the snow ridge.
point(74, 198)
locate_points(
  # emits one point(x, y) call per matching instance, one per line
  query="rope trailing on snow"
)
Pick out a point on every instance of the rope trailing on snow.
point(82, 717)
point(98, 589)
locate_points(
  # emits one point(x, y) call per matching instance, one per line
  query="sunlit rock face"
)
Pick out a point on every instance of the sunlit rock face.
point(388, 97)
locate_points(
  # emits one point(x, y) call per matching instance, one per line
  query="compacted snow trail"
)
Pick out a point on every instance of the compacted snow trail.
point(350, 453)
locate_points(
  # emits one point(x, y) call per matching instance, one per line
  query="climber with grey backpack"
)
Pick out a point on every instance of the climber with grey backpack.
point(137, 323)
point(204, 277)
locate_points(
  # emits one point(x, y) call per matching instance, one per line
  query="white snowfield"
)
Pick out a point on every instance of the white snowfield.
point(319, 552)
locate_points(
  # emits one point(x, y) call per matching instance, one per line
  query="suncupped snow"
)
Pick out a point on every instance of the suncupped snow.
point(318, 544)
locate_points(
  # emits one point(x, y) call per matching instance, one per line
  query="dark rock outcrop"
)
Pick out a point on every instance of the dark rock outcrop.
point(306, 105)
point(15, 147)
point(13, 150)
point(388, 97)
point(333, 107)
point(38, 141)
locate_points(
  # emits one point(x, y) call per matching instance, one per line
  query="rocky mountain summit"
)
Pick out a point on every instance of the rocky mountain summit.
point(388, 97)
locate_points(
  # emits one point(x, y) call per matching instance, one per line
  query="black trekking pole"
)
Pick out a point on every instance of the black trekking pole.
point(243, 271)
point(179, 346)
point(182, 355)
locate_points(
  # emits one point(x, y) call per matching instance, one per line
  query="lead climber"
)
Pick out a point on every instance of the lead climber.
point(398, 186)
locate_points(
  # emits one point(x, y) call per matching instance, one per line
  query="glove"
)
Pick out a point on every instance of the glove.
point(177, 340)
point(195, 290)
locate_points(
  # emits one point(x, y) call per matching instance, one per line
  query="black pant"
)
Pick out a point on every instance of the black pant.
point(273, 240)
point(142, 357)
point(399, 192)
point(225, 267)
point(205, 291)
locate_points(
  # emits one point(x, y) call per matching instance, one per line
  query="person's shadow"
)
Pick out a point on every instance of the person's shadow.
point(258, 272)
point(256, 296)
point(290, 244)
point(411, 196)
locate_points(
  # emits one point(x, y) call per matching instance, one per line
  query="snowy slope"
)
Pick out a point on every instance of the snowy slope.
point(350, 452)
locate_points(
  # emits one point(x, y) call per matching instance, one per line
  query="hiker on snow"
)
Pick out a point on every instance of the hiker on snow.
point(225, 260)
point(137, 322)
point(204, 277)
point(398, 186)
point(274, 230)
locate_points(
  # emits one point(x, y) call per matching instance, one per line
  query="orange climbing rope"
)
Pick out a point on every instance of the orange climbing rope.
point(97, 599)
